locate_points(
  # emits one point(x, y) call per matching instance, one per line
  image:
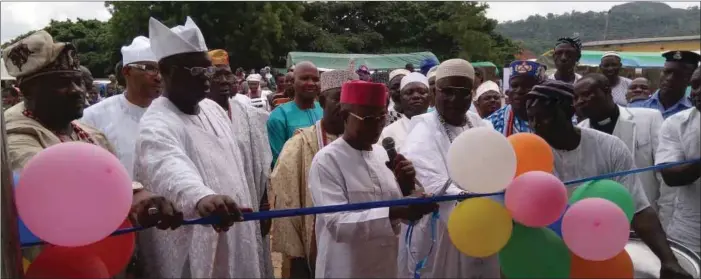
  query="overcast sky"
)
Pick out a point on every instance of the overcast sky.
point(20, 17)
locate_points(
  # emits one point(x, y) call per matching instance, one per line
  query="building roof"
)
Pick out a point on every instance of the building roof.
point(642, 40)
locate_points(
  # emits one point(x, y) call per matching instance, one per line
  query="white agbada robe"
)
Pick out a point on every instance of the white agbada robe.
point(679, 141)
point(354, 244)
point(397, 131)
point(118, 119)
point(599, 153)
point(427, 147)
point(185, 158)
point(249, 127)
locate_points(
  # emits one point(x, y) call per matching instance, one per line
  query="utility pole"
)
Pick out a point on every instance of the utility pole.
point(606, 26)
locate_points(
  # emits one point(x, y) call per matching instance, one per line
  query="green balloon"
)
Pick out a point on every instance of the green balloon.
point(534, 253)
point(609, 190)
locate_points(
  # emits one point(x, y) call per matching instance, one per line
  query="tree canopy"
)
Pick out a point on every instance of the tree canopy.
point(627, 21)
point(262, 33)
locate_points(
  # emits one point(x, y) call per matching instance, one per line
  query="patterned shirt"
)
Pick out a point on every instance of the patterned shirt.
point(500, 119)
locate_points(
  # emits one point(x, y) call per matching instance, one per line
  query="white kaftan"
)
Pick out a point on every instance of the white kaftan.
point(185, 158)
point(679, 141)
point(599, 153)
point(118, 119)
point(354, 244)
point(252, 138)
point(427, 147)
point(397, 131)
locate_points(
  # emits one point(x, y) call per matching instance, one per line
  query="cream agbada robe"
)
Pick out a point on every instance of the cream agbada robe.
point(427, 147)
point(185, 158)
point(248, 124)
point(354, 244)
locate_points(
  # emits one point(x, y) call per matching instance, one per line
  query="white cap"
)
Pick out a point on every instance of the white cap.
point(432, 72)
point(139, 50)
point(455, 68)
point(413, 77)
point(254, 77)
point(398, 72)
point(486, 87)
point(610, 53)
point(179, 39)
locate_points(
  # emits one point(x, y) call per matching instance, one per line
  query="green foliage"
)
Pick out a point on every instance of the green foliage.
point(626, 21)
point(262, 33)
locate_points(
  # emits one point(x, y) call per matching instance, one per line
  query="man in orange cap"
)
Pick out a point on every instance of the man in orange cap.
point(248, 124)
point(352, 169)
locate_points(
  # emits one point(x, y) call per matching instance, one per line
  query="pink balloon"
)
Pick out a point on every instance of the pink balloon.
point(73, 194)
point(595, 229)
point(536, 199)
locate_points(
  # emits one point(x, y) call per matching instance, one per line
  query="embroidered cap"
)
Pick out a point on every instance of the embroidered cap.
point(397, 72)
point(138, 51)
point(335, 79)
point(219, 57)
point(38, 55)
point(179, 39)
point(254, 77)
point(455, 67)
point(527, 68)
point(358, 92)
point(485, 87)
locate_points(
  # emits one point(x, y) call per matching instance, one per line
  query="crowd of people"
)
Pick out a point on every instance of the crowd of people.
point(198, 142)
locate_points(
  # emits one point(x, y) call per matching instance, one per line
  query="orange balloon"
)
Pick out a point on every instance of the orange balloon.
point(620, 266)
point(533, 153)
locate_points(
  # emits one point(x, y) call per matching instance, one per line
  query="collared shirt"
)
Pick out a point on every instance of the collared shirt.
point(654, 103)
point(679, 141)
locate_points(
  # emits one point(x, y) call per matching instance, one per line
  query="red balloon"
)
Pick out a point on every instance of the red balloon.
point(114, 251)
point(66, 262)
point(113, 254)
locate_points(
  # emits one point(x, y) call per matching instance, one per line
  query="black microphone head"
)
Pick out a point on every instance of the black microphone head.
point(388, 143)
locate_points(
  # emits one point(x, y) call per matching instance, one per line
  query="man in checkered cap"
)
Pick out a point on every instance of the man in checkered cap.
point(50, 78)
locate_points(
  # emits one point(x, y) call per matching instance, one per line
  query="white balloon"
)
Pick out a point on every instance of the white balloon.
point(481, 160)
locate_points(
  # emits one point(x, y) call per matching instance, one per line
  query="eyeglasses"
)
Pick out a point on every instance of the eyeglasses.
point(379, 119)
point(149, 69)
point(202, 71)
point(450, 91)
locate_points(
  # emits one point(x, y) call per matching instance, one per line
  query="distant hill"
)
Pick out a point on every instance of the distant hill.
point(627, 21)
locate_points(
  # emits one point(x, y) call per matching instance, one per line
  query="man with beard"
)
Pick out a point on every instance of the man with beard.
point(351, 169)
point(118, 116)
point(679, 141)
point(413, 100)
point(294, 236)
point(427, 147)
point(248, 125)
point(566, 55)
point(512, 118)
point(52, 83)
point(395, 79)
point(638, 128)
point(611, 66)
point(671, 97)
point(638, 91)
point(583, 152)
point(302, 112)
point(187, 151)
point(488, 98)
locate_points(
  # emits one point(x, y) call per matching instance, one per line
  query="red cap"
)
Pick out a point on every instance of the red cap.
point(358, 92)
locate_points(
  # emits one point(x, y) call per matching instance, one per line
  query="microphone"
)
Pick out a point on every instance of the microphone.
point(388, 145)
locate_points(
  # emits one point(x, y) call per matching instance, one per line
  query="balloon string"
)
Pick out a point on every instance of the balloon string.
point(263, 215)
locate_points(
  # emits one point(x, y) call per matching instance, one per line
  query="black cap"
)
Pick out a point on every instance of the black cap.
point(684, 56)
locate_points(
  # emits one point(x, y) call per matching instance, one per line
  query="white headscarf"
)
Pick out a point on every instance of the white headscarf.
point(486, 87)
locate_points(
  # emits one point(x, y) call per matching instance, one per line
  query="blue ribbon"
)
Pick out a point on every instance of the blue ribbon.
point(263, 215)
point(410, 234)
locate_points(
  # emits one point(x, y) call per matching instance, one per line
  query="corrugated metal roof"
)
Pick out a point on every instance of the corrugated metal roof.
point(642, 40)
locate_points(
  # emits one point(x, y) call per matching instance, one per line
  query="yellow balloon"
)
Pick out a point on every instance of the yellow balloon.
point(25, 264)
point(480, 227)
